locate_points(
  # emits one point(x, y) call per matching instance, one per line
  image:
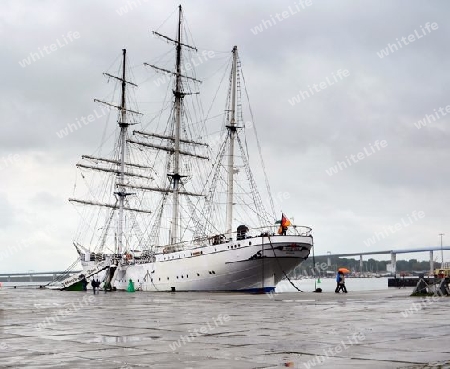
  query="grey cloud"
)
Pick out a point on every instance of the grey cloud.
point(381, 99)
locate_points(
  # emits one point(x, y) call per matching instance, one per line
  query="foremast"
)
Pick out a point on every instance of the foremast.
point(121, 164)
point(121, 192)
point(231, 137)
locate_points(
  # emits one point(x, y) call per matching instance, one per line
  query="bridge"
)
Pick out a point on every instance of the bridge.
point(33, 276)
point(393, 254)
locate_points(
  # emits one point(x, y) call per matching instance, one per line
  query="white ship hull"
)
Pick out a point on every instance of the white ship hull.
point(251, 265)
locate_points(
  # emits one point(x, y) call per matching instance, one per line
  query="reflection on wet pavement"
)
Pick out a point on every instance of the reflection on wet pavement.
point(378, 329)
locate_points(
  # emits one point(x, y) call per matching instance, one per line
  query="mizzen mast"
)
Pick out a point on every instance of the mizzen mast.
point(231, 136)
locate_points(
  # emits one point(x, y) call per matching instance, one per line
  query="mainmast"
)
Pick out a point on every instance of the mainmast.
point(175, 139)
point(174, 234)
point(121, 193)
point(231, 135)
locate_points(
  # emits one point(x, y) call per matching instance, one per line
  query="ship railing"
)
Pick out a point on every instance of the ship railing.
point(217, 239)
point(179, 246)
point(272, 230)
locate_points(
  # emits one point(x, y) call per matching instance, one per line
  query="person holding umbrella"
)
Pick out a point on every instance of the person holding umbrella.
point(340, 280)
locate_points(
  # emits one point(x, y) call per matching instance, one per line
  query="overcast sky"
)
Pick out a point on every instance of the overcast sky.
point(358, 112)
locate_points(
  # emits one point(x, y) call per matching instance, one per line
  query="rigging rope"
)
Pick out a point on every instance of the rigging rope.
point(262, 214)
point(259, 149)
point(171, 14)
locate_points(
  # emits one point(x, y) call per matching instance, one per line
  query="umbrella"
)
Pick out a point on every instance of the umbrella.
point(344, 270)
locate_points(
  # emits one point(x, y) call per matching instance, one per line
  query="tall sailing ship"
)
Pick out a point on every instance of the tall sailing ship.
point(174, 212)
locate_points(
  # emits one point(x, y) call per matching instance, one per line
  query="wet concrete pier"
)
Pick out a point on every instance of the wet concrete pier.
point(380, 329)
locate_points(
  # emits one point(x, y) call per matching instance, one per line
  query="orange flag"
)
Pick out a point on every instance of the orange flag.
point(285, 222)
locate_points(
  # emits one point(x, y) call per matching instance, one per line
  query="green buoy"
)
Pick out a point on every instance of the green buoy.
point(130, 287)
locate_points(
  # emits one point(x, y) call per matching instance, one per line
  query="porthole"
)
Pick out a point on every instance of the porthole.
point(213, 272)
point(249, 243)
point(198, 275)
